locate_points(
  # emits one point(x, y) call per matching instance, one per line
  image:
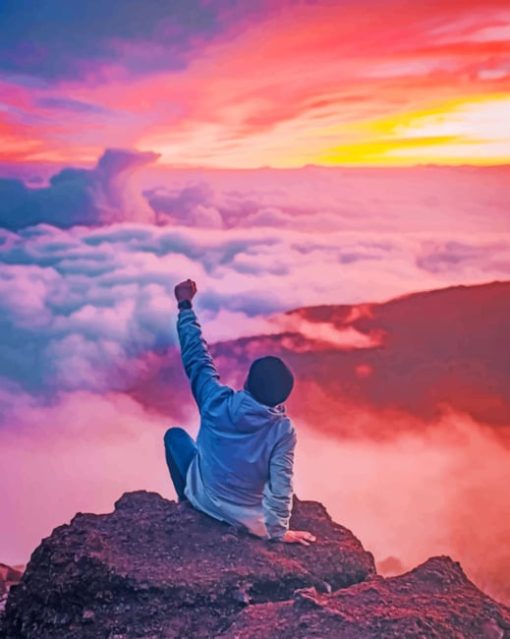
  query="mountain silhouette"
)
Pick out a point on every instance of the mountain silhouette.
point(416, 354)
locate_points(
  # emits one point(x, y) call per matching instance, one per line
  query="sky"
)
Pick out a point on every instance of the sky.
point(282, 84)
point(274, 152)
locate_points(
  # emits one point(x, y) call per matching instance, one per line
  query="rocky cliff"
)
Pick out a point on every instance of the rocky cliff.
point(433, 601)
point(159, 569)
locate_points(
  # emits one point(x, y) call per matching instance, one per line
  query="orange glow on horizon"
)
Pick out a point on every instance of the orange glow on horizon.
point(324, 84)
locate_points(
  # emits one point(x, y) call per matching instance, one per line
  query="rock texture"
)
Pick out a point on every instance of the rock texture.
point(159, 569)
point(9, 576)
point(433, 601)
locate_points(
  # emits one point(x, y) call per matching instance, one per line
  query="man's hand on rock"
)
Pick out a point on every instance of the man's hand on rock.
point(298, 537)
point(185, 290)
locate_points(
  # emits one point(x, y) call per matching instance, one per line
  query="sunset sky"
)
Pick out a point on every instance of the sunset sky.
point(226, 83)
point(274, 152)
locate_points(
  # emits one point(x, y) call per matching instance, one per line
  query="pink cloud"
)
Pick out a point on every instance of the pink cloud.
point(427, 491)
point(78, 454)
point(340, 337)
point(92, 376)
point(85, 450)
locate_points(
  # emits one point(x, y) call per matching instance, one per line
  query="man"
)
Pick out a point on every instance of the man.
point(240, 469)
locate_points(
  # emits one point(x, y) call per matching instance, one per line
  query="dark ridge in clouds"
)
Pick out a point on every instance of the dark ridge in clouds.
point(418, 354)
point(440, 348)
point(87, 197)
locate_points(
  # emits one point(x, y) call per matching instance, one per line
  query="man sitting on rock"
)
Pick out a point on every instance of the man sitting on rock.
point(240, 469)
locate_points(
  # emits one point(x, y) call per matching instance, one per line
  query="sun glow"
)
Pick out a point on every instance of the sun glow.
point(474, 131)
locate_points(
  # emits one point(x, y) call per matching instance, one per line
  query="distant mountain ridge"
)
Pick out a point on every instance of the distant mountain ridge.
point(447, 346)
point(415, 354)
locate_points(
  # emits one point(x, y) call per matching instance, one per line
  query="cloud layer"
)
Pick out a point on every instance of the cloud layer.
point(79, 196)
point(89, 263)
point(90, 375)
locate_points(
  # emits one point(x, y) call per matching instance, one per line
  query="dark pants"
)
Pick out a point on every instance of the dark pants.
point(180, 449)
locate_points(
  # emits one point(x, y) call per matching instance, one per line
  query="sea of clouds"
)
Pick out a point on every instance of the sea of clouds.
point(88, 264)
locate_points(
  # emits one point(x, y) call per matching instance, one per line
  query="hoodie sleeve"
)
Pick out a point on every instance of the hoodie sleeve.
point(278, 493)
point(197, 361)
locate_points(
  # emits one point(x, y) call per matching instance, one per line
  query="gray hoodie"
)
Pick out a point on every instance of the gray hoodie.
point(243, 470)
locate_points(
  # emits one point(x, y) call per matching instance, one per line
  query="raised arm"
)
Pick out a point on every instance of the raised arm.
point(197, 361)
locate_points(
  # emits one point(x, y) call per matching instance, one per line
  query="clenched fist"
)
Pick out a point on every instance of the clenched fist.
point(185, 290)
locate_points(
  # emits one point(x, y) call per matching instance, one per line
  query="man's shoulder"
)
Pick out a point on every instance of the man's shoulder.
point(285, 429)
point(218, 394)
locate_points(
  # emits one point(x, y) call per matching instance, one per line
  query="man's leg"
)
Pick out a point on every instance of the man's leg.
point(180, 449)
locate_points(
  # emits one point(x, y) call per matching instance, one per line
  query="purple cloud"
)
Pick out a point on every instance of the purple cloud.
point(88, 197)
point(64, 40)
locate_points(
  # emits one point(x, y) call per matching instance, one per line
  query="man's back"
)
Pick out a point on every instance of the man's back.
point(238, 441)
point(241, 468)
